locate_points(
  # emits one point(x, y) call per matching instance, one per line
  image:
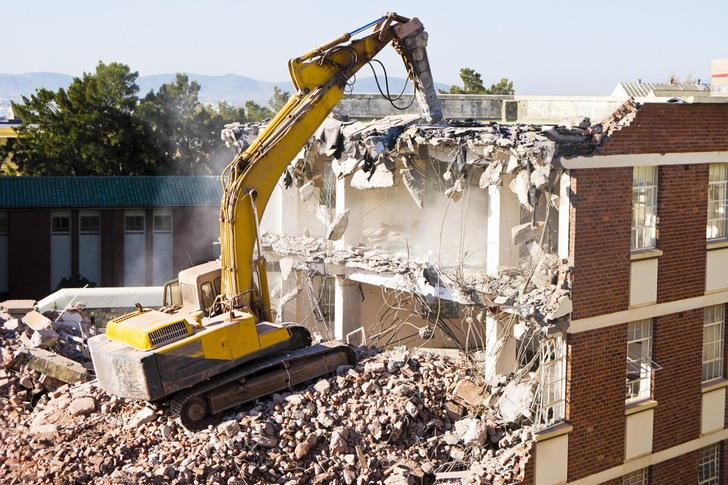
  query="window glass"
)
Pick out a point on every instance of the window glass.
point(3, 222)
point(89, 224)
point(717, 201)
point(709, 465)
point(639, 361)
point(713, 329)
point(60, 225)
point(162, 223)
point(134, 224)
point(644, 208)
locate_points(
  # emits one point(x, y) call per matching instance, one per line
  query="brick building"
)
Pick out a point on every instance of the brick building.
point(113, 231)
point(632, 214)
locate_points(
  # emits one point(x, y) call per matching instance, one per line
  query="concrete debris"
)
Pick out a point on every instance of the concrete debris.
point(386, 420)
point(306, 190)
point(338, 226)
point(377, 178)
point(37, 321)
point(415, 185)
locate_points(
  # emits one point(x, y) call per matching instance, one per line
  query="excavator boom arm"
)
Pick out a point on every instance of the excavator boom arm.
point(319, 77)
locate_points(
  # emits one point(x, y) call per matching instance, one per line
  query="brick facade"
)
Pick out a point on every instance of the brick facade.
point(600, 220)
point(677, 342)
point(595, 399)
point(682, 206)
point(682, 469)
point(601, 217)
point(661, 128)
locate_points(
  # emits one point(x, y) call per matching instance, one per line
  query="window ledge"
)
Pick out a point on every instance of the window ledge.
point(716, 244)
point(554, 431)
point(640, 254)
point(638, 407)
point(714, 384)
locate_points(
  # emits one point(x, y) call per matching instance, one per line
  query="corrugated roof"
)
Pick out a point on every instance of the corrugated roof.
point(641, 90)
point(177, 191)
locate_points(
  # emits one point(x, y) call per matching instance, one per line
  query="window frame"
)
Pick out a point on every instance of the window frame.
point(61, 229)
point(637, 477)
point(709, 465)
point(717, 225)
point(644, 208)
point(161, 227)
point(134, 229)
point(639, 333)
point(551, 408)
point(713, 342)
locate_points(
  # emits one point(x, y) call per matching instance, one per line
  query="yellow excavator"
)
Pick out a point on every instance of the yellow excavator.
point(213, 345)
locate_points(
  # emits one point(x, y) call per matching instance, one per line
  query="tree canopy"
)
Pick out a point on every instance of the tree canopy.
point(473, 84)
point(100, 126)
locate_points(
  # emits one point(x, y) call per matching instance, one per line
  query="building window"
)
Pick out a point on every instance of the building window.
point(89, 224)
point(327, 193)
point(637, 477)
point(162, 223)
point(717, 203)
point(639, 361)
point(551, 405)
point(60, 225)
point(713, 323)
point(4, 223)
point(134, 224)
point(709, 465)
point(644, 208)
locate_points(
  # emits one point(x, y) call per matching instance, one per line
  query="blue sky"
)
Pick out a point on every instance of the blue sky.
point(557, 47)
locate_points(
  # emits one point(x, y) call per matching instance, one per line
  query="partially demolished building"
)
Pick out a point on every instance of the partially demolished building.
point(586, 260)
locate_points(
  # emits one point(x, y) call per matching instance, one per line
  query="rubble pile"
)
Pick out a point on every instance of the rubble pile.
point(398, 417)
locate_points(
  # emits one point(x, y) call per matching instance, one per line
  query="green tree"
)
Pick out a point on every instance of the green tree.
point(257, 112)
point(503, 87)
point(279, 99)
point(90, 129)
point(230, 113)
point(473, 84)
point(184, 131)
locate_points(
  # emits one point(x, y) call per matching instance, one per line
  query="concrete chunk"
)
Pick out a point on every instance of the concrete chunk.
point(43, 338)
point(54, 365)
point(338, 226)
point(37, 321)
point(415, 185)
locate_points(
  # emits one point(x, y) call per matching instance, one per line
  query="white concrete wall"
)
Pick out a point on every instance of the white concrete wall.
point(60, 253)
point(135, 254)
point(712, 411)
point(162, 251)
point(638, 434)
point(643, 282)
point(716, 276)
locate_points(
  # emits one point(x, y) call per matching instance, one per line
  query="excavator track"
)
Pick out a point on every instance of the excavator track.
point(257, 379)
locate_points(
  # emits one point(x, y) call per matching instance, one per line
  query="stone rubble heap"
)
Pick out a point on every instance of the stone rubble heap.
point(398, 417)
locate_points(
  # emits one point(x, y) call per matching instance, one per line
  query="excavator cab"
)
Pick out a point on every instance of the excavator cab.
point(197, 287)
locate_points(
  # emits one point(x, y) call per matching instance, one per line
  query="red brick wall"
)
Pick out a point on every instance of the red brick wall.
point(29, 247)
point(595, 399)
point(671, 128)
point(682, 469)
point(682, 205)
point(677, 342)
point(601, 216)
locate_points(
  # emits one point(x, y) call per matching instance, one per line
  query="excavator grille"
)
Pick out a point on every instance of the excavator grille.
point(168, 333)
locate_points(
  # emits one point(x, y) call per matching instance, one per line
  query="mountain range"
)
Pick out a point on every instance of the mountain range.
point(231, 88)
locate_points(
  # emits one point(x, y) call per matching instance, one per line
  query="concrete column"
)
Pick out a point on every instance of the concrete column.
point(564, 215)
point(347, 297)
point(493, 246)
point(500, 348)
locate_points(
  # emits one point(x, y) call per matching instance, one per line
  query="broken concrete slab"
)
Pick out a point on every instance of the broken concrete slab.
point(415, 185)
point(53, 365)
point(338, 226)
point(306, 190)
point(380, 179)
point(43, 338)
point(37, 321)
